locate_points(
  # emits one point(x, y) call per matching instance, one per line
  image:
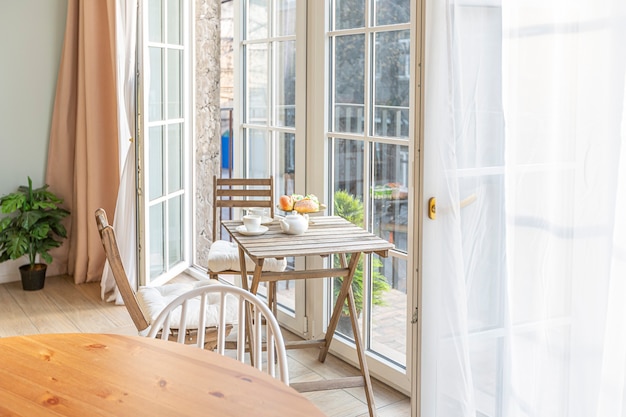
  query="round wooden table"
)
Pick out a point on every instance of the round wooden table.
point(113, 375)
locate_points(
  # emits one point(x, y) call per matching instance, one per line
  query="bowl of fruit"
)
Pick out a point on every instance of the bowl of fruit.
point(300, 203)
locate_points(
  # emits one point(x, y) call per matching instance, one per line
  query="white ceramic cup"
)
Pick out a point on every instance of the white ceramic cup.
point(257, 212)
point(252, 222)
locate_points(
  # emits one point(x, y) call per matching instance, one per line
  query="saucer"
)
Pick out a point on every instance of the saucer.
point(266, 220)
point(242, 229)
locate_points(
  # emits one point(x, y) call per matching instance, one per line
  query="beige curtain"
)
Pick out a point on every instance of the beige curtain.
point(83, 161)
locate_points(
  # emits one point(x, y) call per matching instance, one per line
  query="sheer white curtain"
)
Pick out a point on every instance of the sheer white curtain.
point(524, 291)
point(124, 221)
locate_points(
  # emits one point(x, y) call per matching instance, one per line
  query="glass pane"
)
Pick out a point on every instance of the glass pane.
point(257, 22)
point(174, 16)
point(390, 210)
point(155, 21)
point(286, 83)
point(348, 203)
point(285, 17)
point(155, 98)
point(285, 182)
point(157, 237)
point(389, 309)
point(349, 93)
point(174, 158)
point(258, 154)
point(155, 165)
point(348, 170)
point(349, 14)
point(257, 82)
point(175, 230)
point(392, 77)
point(174, 84)
point(391, 12)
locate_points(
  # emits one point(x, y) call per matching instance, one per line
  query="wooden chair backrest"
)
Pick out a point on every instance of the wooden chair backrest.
point(241, 193)
point(109, 242)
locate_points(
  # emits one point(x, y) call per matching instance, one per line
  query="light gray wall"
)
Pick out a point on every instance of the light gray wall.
point(31, 40)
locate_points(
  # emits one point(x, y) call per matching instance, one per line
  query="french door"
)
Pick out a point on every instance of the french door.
point(271, 114)
point(370, 145)
point(342, 126)
point(164, 124)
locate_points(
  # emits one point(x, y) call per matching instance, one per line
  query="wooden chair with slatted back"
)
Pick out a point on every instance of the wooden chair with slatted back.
point(147, 303)
point(240, 194)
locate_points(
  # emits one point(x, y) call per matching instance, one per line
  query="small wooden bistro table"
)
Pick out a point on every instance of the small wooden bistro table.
point(89, 374)
point(326, 236)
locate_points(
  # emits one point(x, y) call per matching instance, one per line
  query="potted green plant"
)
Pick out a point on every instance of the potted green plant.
point(351, 209)
point(33, 226)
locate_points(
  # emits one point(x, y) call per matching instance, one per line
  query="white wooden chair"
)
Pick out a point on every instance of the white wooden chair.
point(186, 308)
point(145, 304)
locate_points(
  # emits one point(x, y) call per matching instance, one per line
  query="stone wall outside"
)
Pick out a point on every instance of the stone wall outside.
point(207, 123)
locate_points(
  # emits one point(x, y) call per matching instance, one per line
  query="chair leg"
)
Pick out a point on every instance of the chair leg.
point(248, 319)
point(271, 297)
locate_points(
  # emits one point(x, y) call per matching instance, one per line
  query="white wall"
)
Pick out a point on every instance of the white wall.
point(31, 40)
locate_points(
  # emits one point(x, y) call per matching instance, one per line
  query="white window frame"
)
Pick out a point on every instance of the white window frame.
point(188, 172)
point(298, 323)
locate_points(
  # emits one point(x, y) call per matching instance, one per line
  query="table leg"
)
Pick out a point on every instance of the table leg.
point(244, 284)
point(242, 268)
point(341, 299)
point(369, 393)
point(256, 277)
point(346, 295)
point(271, 297)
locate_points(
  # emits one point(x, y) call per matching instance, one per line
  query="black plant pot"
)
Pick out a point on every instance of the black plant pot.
point(33, 279)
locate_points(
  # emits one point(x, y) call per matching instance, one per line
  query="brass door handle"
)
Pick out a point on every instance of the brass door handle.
point(432, 205)
point(432, 208)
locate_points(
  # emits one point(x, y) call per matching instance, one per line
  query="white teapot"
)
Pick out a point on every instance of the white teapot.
point(295, 224)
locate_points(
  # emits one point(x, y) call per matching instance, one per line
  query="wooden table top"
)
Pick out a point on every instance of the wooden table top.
point(113, 375)
point(326, 235)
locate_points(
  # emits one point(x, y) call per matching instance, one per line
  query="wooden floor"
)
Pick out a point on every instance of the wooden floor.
point(62, 307)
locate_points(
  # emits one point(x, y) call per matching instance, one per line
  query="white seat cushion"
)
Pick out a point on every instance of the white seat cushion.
point(224, 256)
point(154, 299)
